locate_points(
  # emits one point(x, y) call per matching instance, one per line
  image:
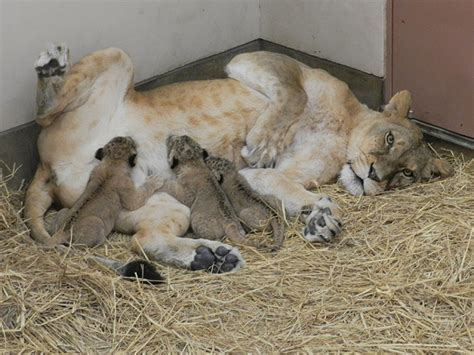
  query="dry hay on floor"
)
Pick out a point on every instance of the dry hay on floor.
point(400, 278)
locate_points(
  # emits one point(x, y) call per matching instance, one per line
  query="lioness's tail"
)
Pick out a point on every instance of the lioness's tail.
point(39, 198)
point(141, 270)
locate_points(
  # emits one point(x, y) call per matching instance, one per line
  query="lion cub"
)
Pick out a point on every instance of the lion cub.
point(110, 190)
point(253, 210)
point(212, 216)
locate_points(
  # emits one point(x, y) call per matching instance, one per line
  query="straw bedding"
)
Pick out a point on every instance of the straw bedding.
point(400, 278)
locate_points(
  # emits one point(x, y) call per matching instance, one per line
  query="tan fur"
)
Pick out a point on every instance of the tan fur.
point(278, 112)
point(254, 211)
point(212, 216)
point(109, 190)
point(396, 163)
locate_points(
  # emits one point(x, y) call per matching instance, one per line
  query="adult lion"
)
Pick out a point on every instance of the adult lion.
point(297, 127)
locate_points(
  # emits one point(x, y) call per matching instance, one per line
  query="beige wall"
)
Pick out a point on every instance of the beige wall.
point(164, 34)
point(159, 35)
point(350, 32)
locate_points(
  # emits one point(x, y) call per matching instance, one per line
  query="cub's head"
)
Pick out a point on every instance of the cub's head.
point(183, 149)
point(387, 151)
point(119, 148)
point(220, 167)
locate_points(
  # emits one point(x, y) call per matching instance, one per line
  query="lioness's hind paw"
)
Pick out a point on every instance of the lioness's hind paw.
point(218, 259)
point(323, 224)
point(53, 62)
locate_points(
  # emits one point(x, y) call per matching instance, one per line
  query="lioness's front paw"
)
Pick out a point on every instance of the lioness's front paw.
point(323, 223)
point(217, 258)
point(260, 157)
point(53, 62)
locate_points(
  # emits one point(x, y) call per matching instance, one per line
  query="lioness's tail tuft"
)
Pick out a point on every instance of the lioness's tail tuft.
point(141, 269)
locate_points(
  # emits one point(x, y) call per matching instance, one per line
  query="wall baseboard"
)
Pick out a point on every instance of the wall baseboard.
point(445, 135)
point(18, 152)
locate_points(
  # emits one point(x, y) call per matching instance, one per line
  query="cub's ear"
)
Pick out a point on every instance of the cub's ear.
point(437, 167)
point(220, 178)
point(205, 154)
point(99, 155)
point(174, 163)
point(399, 104)
point(132, 160)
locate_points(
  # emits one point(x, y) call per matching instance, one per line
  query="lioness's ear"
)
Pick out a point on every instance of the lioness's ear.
point(132, 160)
point(399, 104)
point(438, 167)
point(99, 155)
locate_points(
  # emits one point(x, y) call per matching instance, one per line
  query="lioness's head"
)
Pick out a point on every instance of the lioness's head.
point(182, 149)
point(387, 151)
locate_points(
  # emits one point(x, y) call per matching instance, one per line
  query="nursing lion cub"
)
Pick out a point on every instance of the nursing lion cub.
point(287, 126)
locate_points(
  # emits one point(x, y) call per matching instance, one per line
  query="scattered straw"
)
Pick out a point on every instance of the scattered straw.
point(400, 278)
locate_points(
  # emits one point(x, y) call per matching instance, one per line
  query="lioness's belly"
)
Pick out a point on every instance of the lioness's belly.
point(217, 113)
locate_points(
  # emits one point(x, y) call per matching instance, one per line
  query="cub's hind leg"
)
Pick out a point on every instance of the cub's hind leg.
point(89, 231)
point(255, 218)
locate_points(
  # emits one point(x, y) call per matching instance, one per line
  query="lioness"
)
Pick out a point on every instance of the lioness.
point(302, 122)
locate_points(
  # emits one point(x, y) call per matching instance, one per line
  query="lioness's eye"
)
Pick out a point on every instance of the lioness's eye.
point(389, 139)
point(407, 172)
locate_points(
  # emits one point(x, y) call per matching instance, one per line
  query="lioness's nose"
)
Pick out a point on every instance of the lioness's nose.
point(373, 173)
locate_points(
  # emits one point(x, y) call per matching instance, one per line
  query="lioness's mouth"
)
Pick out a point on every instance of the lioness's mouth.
point(356, 185)
point(351, 181)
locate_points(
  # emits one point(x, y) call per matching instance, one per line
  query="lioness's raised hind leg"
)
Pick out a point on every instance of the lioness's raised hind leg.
point(51, 66)
point(278, 78)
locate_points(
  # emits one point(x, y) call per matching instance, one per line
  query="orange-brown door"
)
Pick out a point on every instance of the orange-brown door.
point(432, 54)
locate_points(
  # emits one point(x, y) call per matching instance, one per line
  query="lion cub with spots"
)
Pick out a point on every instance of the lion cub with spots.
point(212, 215)
point(109, 191)
point(254, 211)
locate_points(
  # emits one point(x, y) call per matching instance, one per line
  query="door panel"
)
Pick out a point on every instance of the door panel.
point(433, 57)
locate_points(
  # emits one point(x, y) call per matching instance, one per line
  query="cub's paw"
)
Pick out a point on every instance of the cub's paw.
point(155, 182)
point(53, 62)
point(323, 222)
point(217, 258)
